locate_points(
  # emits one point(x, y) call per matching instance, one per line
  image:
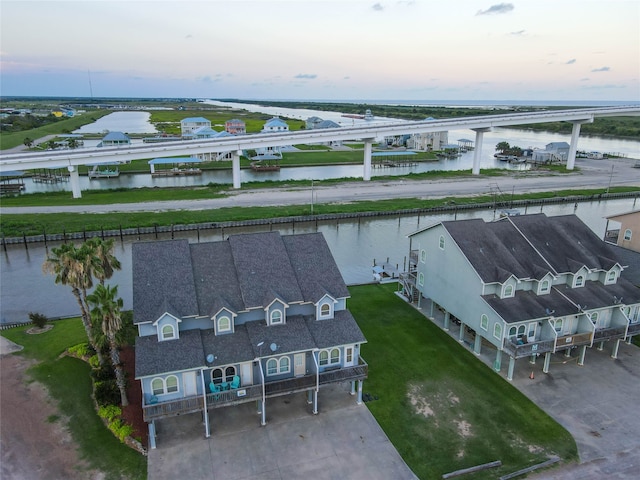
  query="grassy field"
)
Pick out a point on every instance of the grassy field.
point(69, 383)
point(16, 225)
point(440, 406)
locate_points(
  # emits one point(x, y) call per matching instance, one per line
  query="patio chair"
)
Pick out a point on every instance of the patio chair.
point(235, 383)
point(214, 388)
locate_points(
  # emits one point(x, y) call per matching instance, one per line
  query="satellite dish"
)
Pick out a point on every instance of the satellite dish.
point(273, 347)
point(210, 358)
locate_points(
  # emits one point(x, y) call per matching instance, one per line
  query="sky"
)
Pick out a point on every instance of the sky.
point(323, 49)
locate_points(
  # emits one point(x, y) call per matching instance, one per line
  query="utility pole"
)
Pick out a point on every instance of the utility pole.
point(311, 197)
point(610, 177)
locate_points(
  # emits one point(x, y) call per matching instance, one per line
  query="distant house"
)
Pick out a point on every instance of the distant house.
point(528, 285)
point(235, 127)
point(275, 124)
point(627, 234)
point(115, 139)
point(316, 123)
point(311, 122)
point(428, 141)
point(246, 319)
point(191, 124)
point(553, 152)
point(272, 125)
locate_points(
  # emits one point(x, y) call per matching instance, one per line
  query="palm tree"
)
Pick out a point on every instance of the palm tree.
point(503, 147)
point(108, 263)
point(106, 312)
point(27, 142)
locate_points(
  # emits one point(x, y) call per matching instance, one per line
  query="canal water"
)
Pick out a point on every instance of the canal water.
point(354, 244)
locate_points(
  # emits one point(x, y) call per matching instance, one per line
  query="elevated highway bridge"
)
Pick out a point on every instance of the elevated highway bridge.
point(71, 159)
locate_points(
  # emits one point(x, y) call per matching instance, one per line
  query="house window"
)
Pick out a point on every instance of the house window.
point(484, 322)
point(594, 318)
point(168, 332)
point(545, 286)
point(627, 234)
point(277, 366)
point(579, 282)
point(329, 357)
point(276, 317)
point(325, 310)
point(517, 332)
point(423, 256)
point(611, 276)
point(421, 279)
point(441, 242)
point(497, 331)
point(219, 375)
point(557, 325)
point(508, 291)
point(162, 386)
point(224, 324)
point(348, 357)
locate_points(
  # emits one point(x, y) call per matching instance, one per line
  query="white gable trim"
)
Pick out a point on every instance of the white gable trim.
point(164, 315)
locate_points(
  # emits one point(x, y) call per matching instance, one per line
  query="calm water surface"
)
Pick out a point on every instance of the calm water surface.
point(355, 245)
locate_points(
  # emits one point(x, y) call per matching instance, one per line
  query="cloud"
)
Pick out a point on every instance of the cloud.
point(570, 62)
point(377, 7)
point(495, 9)
point(306, 76)
point(519, 32)
point(601, 69)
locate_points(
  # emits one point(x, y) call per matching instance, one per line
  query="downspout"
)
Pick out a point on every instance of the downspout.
point(264, 405)
point(204, 398)
point(315, 360)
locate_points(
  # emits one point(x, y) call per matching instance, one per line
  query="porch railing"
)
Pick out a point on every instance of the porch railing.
point(634, 328)
point(603, 334)
point(528, 349)
point(181, 406)
point(573, 340)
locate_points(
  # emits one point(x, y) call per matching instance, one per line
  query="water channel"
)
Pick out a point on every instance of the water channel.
point(354, 244)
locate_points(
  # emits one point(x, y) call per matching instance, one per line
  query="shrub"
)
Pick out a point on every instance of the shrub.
point(81, 350)
point(94, 361)
point(100, 374)
point(109, 412)
point(107, 393)
point(119, 429)
point(38, 319)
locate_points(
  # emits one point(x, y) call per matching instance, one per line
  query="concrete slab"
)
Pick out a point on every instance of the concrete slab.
point(343, 441)
point(7, 346)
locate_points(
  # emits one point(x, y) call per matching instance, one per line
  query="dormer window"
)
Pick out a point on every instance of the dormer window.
point(325, 310)
point(611, 277)
point(276, 317)
point(168, 332)
point(627, 234)
point(224, 324)
point(545, 287)
point(507, 291)
point(578, 281)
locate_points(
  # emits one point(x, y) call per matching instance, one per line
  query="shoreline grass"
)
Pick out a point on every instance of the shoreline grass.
point(439, 405)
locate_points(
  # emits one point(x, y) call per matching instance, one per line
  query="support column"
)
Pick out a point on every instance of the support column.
point(75, 181)
point(575, 133)
point(461, 333)
point(152, 434)
point(583, 352)
point(532, 359)
point(353, 387)
point(477, 152)
point(547, 361)
point(359, 400)
point(153, 168)
point(235, 168)
point(263, 411)
point(601, 346)
point(498, 363)
point(368, 145)
point(567, 353)
point(315, 402)
point(477, 345)
point(512, 364)
point(309, 397)
point(447, 316)
point(616, 346)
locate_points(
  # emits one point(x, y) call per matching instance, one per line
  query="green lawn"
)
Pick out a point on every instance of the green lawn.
point(69, 383)
point(440, 406)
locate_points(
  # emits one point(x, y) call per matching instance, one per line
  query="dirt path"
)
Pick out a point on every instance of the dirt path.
point(33, 445)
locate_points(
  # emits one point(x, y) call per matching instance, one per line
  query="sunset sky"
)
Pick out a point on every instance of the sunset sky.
point(322, 49)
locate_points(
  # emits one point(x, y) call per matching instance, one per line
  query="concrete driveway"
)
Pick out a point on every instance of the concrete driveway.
point(342, 442)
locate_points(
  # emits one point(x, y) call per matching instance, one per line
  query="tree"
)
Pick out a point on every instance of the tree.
point(106, 312)
point(51, 145)
point(27, 142)
point(72, 143)
point(77, 267)
point(503, 147)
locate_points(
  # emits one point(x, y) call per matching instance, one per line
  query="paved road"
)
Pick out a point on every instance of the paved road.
point(593, 174)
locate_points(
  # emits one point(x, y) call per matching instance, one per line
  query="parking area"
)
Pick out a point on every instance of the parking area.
point(342, 442)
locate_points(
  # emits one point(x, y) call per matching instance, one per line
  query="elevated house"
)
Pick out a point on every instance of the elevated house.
point(553, 152)
point(246, 319)
point(316, 123)
point(529, 285)
point(115, 139)
point(235, 127)
point(191, 124)
point(277, 125)
point(624, 230)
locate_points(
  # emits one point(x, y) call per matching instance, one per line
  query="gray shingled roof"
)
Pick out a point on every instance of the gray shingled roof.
point(597, 295)
point(526, 305)
point(294, 336)
point(341, 330)
point(154, 357)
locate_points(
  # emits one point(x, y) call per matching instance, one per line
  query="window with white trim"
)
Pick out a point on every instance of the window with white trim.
point(162, 386)
point(441, 242)
point(579, 281)
point(276, 317)
point(484, 322)
point(507, 291)
point(545, 286)
point(594, 318)
point(423, 256)
point(168, 332)
point(557, 325)
point(224, 324)
point(278, 366)
point(219, 375)
point(611, 276)
point(517, 331)
point(497, 331)
point(329, 357)
point(421, 279)
point(627, 234)
point(325, 310)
